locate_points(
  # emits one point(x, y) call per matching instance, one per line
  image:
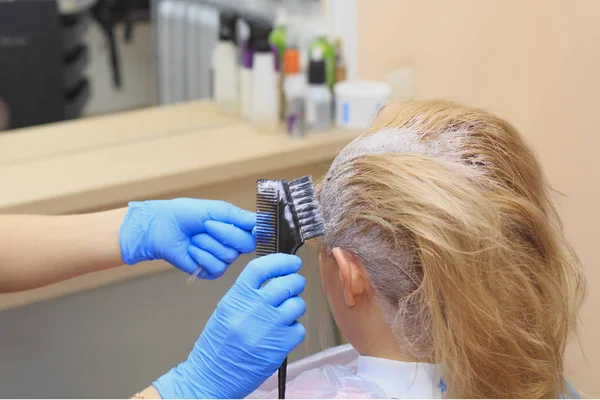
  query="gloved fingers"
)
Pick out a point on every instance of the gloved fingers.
point(297, 334)
point(231, 236)
point(291, 310)
point(279, 289)
point(214, 267)
point(259, 270)
point(230, 214)
point(207, 243)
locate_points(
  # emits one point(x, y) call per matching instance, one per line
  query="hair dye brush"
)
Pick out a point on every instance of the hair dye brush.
point(287, 215)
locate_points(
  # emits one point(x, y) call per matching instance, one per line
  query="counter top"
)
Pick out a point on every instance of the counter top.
point(93, 133)
point(101, 162)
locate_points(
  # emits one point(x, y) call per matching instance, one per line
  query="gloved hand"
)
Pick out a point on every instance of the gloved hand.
point(248, 336)
point(188, 233)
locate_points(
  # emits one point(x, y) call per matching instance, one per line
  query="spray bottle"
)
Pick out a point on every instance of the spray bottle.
point(225, 66)
point(278, 39)
point(266, 102)
point(318, 96)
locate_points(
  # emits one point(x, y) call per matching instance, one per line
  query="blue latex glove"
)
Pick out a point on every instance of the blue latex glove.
point(248, 336)
point(190, 234)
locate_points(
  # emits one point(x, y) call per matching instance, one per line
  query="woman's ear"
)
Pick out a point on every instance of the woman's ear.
point(353, 280)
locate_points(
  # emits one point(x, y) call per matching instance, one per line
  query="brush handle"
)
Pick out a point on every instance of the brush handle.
point(282, 377)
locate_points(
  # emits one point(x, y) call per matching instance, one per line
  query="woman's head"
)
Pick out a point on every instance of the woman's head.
point(439, 216)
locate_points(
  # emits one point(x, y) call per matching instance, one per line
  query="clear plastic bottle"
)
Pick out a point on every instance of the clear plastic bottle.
point(340, 62)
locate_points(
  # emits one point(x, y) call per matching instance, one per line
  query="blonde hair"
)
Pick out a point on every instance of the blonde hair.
point(449, 213)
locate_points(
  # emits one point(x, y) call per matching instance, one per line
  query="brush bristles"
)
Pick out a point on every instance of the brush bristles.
point(307, 207)
point(266, 221)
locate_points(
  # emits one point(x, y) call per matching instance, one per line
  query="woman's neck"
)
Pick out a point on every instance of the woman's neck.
point(376, 339)
point(386, 347)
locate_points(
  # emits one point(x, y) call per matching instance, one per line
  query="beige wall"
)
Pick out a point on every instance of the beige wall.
point(536, 63)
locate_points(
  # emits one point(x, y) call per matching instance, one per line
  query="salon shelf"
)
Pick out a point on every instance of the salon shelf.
point(171, 151)
point(118, 129)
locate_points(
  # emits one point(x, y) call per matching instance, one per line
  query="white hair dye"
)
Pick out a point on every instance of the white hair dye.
point(381, 259)
point(402, 140)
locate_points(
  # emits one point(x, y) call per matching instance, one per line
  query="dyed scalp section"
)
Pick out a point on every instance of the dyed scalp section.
point(449, 213)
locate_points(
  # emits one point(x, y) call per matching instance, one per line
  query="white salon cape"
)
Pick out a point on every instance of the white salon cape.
point(356, 377)
point(400, 380)
point(340, 372)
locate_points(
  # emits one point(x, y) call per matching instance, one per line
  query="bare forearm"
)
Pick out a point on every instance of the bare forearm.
point(149, 393)
point(40, 250)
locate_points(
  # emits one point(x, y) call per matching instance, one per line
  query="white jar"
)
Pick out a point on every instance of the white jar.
point(356, 102)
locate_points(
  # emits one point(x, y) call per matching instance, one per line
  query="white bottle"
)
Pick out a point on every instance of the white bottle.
point(246, 81)
point(225, 72)
point(265, 88)
point(245, 67)
point(318, 96)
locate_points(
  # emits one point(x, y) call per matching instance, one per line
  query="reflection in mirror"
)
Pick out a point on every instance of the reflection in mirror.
point(92, 57)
